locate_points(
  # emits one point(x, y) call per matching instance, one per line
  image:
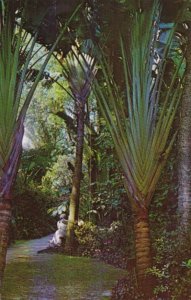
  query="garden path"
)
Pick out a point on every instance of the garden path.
point(43, 276)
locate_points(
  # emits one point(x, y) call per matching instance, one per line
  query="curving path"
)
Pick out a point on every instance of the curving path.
point(44, 276)
point(24, 249)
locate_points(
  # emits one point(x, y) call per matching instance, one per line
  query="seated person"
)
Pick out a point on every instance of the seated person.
point(60, 234)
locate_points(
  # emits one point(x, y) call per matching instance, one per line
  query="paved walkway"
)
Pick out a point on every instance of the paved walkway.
point(32, 276)
point(24, 249)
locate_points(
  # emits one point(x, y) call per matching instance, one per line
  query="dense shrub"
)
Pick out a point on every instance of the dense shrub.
point(87, 236)
point(30, 217)
point(111, 245)
point(127, 288)
point(172, 267)
point(116, 245)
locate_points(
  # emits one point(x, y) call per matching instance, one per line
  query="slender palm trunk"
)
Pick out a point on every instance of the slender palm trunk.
point(93, 175)
point(75, 194)
point(92, 165)
point(142, 249)
point(5, 219)
point(184, 173)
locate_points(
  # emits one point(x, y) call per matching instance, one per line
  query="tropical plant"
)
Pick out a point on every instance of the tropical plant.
point(16, 52)
point(79, 70)
point(140, 120)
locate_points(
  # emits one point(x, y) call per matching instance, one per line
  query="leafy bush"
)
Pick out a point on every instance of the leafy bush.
point(59, 177)
point(172, 267)
point(87, 236)
point(111, 245)
point(30, 218)
point(127, 288)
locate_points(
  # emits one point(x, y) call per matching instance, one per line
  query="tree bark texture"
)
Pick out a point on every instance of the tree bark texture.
point(5, 219)
point(142, 249)
point(184, 146)
point(75, 194)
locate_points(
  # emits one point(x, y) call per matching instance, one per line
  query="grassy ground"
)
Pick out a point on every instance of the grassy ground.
point(54, 276)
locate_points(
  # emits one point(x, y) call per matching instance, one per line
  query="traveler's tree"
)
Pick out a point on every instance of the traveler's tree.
point(79, 69)
point(140, 120)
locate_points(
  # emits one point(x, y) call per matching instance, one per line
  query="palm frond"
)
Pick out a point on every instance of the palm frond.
point(140, 122)
point(13, 73)
point(79, 69)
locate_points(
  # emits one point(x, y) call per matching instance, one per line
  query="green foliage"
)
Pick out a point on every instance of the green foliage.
point(110, 244)
point(44, 128)
point(40, 193)
point(116, 244)
point(108, 202)
point(187, 263)
point(59, 210)
point(127, 288)
point(170, 255)
point(34, 164)
point(171, 264)
point(30, 217)
point(58, 178)
point(87, 236)
point(171, 260)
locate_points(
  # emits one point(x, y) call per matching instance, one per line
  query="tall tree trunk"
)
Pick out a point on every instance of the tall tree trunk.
point(75, 194)
point(93, 175)
point(142, 249)
point(92, 164)
point(184, 174)
point(5, 219)
point(6, 184)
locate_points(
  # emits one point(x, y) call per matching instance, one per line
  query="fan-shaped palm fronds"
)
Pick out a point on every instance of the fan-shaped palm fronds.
point(140, 122)
point(79, 69)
